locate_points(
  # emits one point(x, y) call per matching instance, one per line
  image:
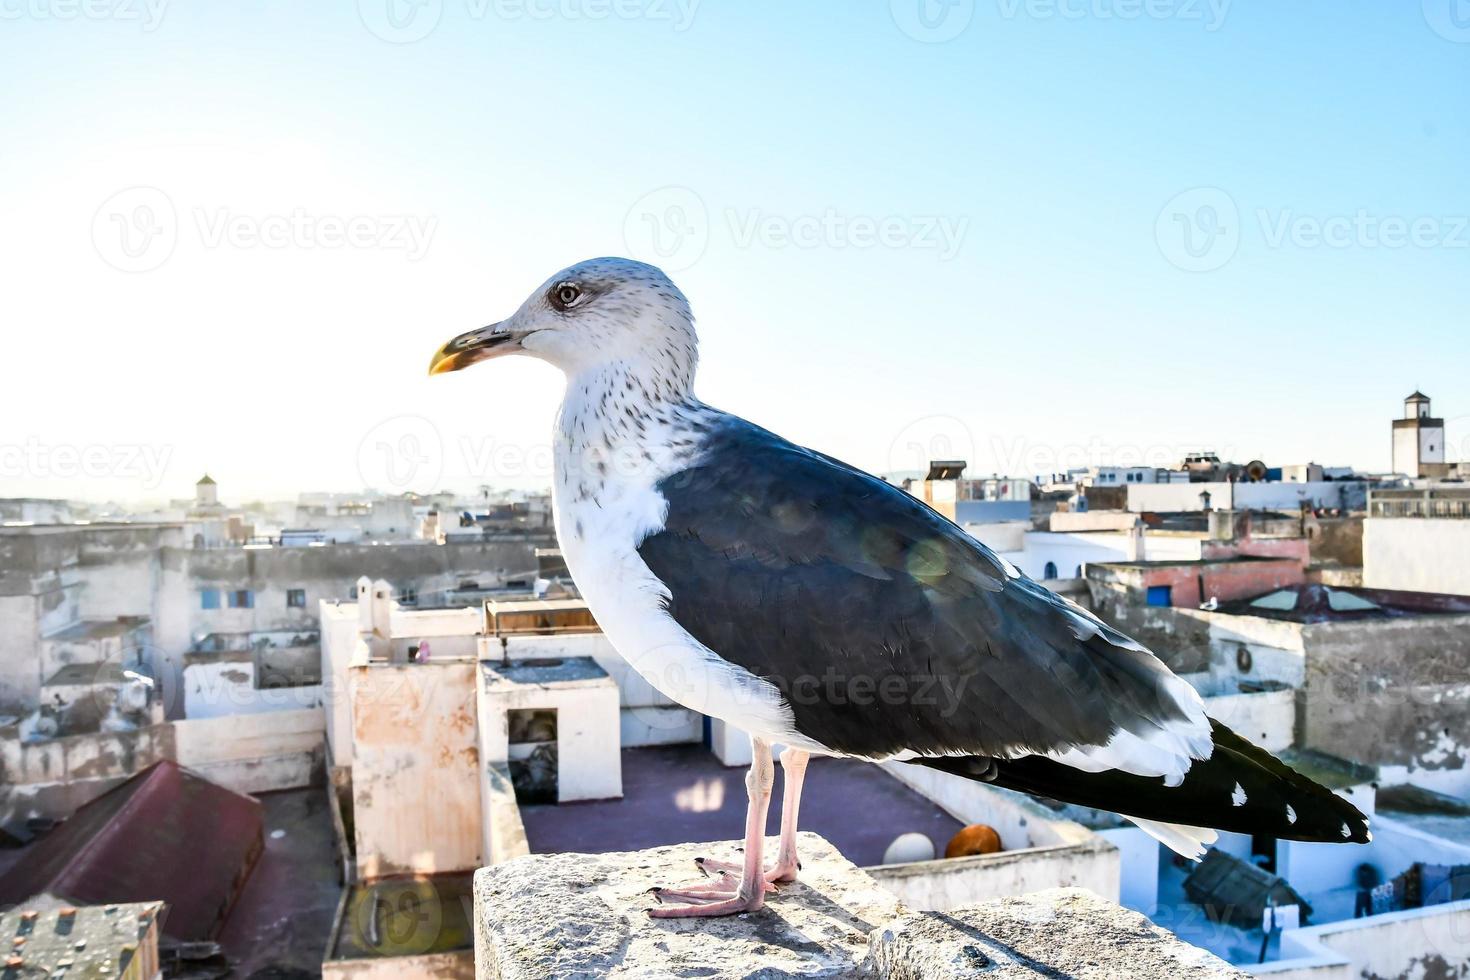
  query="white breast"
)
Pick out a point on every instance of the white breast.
point(601, 518)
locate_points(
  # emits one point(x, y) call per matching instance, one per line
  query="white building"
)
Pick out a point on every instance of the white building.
point(1417, 539)
point(1418, 440)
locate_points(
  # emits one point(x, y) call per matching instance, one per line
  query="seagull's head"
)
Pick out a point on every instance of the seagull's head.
point(594, 313)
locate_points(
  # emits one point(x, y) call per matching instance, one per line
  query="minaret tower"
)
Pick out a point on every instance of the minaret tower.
point(1418, 440)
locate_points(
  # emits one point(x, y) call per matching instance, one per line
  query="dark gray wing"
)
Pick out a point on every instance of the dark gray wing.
point(885, 626)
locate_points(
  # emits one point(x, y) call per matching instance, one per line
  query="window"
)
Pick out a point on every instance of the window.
point(1050, 571)
point(296, 598)
point(209, 598)
point(1282, 600)
point(242, 599)
point(1161, 595)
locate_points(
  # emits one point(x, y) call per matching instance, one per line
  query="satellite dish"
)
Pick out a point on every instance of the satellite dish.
point(1255, 470)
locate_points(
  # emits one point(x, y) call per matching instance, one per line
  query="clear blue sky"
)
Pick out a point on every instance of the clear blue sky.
point(1078, 307)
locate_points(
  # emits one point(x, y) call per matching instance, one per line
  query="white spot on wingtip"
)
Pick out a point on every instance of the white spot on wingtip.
point(1238, 797)
point(1347, 832)
point(1290, 814)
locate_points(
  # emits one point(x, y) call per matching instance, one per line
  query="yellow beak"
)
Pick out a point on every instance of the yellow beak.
point(474, 346)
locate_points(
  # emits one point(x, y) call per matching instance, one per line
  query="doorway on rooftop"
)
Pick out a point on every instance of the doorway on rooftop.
point(532, 755)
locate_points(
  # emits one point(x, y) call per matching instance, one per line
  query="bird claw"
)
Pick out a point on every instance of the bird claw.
point(778, 874)
point(707, 902)
point(723, 895)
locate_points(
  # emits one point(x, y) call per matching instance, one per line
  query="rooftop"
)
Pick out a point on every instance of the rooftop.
point(1432, 813)
point(673, 794)
point(49, 937)
point(98, 629)
point(1329, 770)
point(1314, 603)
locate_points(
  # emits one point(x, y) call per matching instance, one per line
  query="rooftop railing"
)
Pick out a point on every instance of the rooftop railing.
point(1438, 502)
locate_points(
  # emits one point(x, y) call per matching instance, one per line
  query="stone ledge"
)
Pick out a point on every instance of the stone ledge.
point(1061, 932)
point(585, 915)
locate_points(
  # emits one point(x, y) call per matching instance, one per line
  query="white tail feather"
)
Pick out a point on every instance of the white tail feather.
point(1191, 842)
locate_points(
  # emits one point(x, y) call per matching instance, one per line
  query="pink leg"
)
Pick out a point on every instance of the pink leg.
point(751, 892)
point(793, 768)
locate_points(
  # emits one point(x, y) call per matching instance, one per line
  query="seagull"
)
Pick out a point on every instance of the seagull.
point(825, 611)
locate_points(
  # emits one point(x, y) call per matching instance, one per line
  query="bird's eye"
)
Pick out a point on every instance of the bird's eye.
point(567, 294)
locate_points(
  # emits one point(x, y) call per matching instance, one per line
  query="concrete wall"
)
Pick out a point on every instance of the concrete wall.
point(1417, 554)
point(1176, 497)
point(942, 885)
point(1266, 717)
point(255, 753)
point(458, 965)
point(1192, 640)
point(54, 777)
point(1004, 537)
point(587, 745)
point(503, 835)
point(20, 651)
point(1392, 693)
point(1068, 551)
point(217, 685)
point(1336, 540)
point(1092, 520)
point(1138, 867)
point(1416, 944)
point(415, 769)
point(339, 639)
point(648, 717)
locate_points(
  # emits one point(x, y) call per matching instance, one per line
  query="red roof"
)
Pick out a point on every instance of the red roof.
point(166, 834)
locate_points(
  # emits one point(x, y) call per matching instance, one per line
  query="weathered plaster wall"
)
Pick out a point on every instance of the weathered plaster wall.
point(415, 770)
point(1336, 540)
point(1417, 554)
point(54, 777)
point(1418, 944)
point(20, 666)
point(255, 753)
point(1391, 693)
point(218, 685)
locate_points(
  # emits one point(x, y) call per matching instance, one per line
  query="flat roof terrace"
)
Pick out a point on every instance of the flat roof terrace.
point(675, 794)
